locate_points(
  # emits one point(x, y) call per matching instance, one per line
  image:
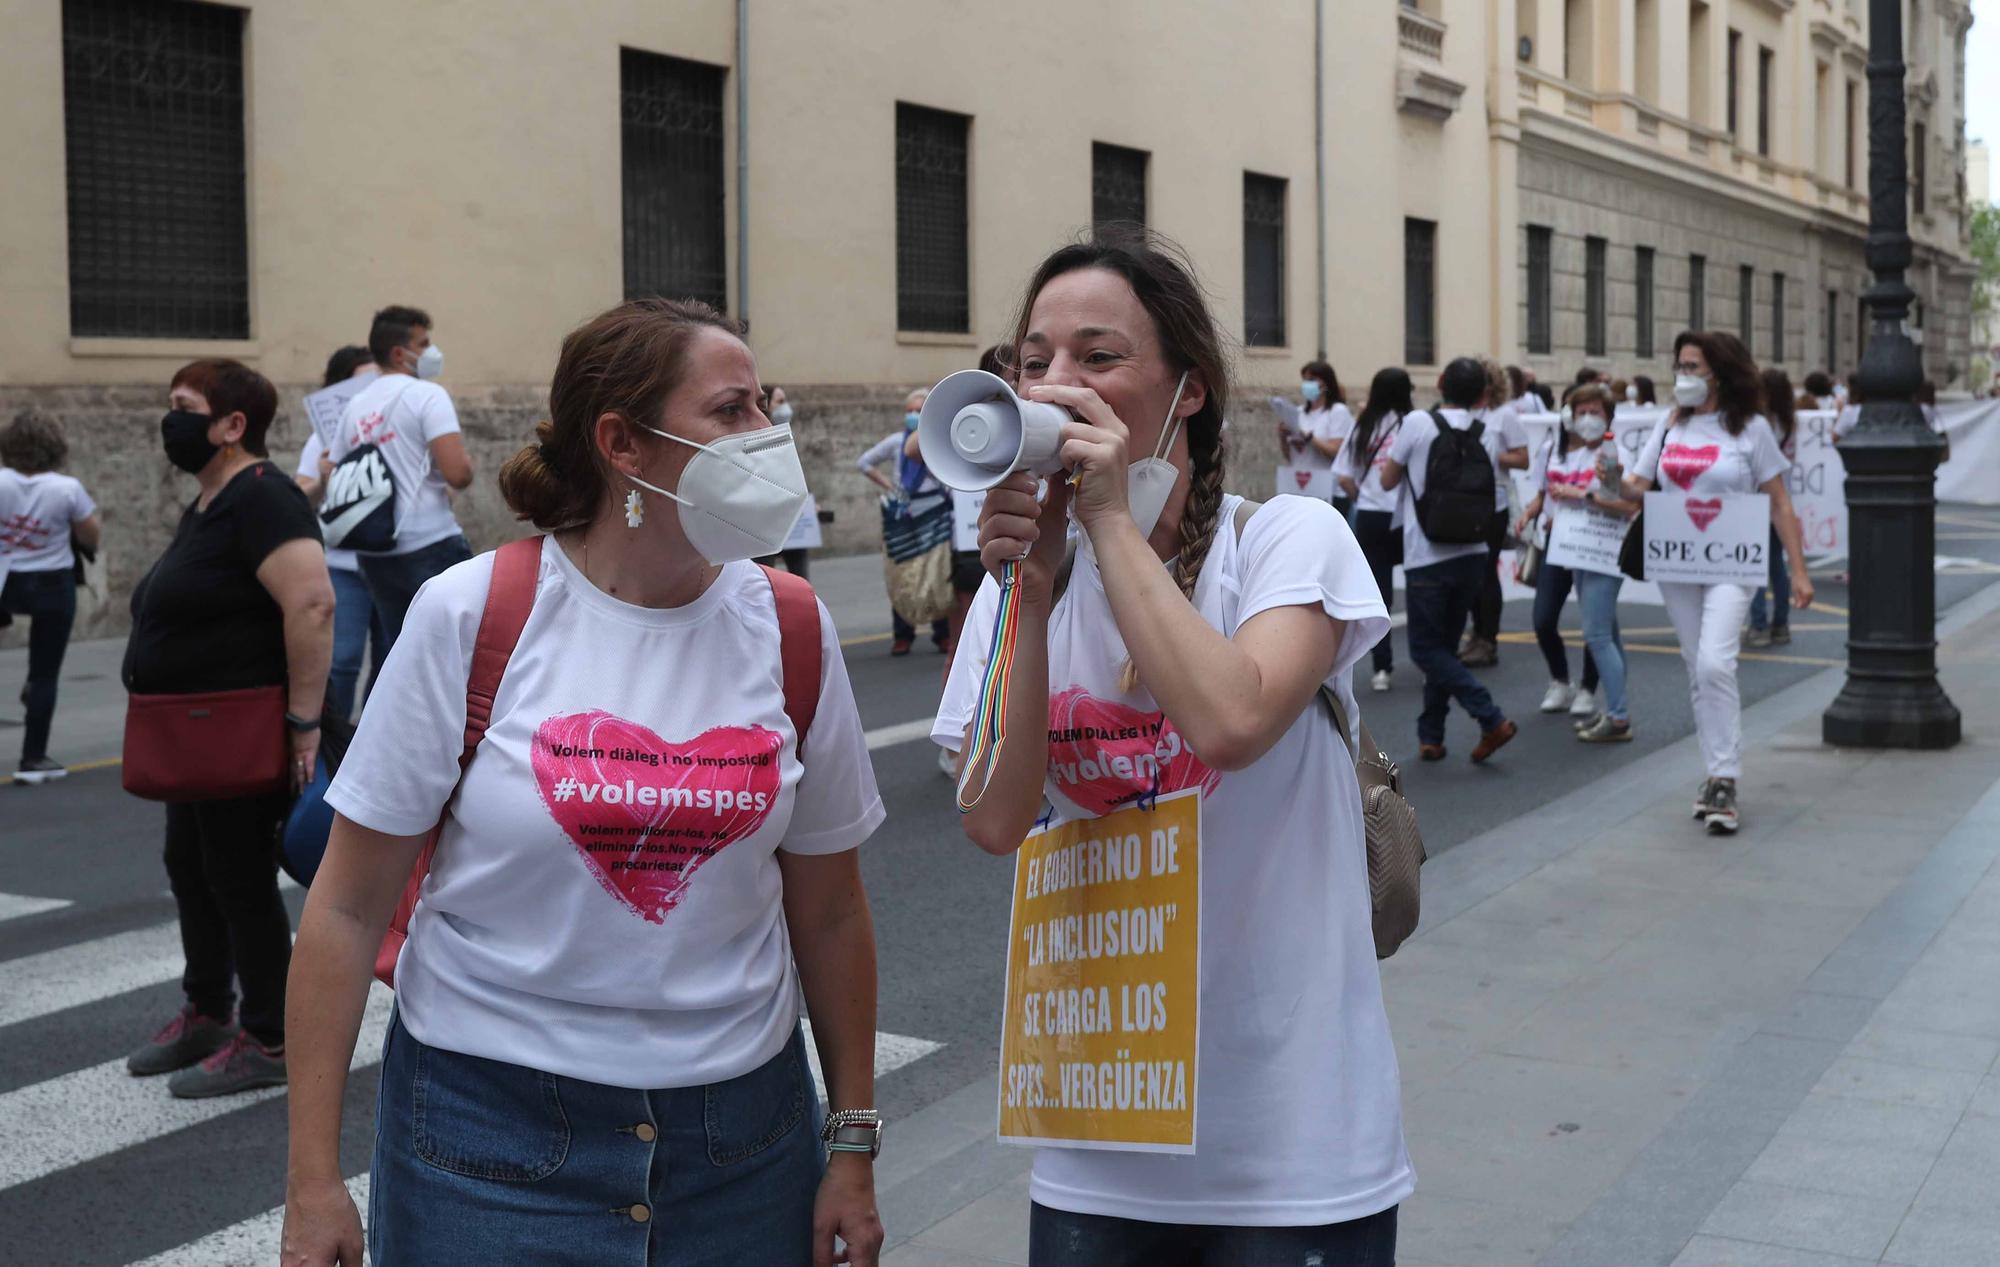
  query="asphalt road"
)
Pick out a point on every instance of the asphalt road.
point(107, 1175)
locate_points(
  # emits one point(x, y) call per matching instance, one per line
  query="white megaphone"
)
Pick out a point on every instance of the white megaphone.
point(974, 432)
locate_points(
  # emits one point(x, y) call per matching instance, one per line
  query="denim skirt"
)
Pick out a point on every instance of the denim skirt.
point(480, 1161)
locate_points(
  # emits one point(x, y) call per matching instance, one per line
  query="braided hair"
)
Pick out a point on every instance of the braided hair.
point(1163, 280)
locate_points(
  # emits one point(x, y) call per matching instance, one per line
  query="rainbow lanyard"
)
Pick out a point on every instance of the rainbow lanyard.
point(989, 723)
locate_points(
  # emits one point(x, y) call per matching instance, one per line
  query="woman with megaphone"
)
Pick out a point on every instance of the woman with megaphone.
point(1159, 657)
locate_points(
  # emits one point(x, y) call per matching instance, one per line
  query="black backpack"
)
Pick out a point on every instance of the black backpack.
point(358, 509)
point(1457, 505)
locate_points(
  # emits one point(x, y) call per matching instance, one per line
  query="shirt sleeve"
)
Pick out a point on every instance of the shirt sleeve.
point(883, 450)
point(273, 511)
point(402, 767)
point(836, 805)
point(309, 457)
point(1767, 460)
point(1513, 434)
point(968, 669)
point(1415, 429)
point(436, 415)
point(1649, 457)
point(1333, 423)
point(81, 507)
point(1297, 552)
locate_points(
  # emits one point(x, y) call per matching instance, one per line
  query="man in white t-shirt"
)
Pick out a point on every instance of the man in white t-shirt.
point(1442, 579)
point(410, 419)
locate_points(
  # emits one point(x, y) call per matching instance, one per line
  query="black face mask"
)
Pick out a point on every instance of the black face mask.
point(184, 434)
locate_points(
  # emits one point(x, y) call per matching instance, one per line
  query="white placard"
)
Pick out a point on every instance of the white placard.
point(1720, 540)
point(1305, 481)
point(965, 509)
point(805, 529)
point(1587, 541)
point(324, 407)
point(1818, 485)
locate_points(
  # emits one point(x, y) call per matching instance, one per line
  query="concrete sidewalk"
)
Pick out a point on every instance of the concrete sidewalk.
point(1625, 1043)
point(89, 728)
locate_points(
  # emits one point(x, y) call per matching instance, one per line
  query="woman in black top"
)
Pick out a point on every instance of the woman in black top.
point(239, 599)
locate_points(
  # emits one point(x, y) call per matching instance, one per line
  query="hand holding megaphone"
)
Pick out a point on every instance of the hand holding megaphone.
point(974, 432)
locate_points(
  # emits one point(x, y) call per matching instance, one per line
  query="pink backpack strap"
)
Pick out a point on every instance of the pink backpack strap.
point(798, 649)
point(509, 600)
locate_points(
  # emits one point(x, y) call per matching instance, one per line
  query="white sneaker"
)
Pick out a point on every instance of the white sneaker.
point(1382, 681)
point(1559, 697)
point(1585, 704)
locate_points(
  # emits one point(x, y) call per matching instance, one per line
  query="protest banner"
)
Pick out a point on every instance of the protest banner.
point(1304, 481)
point(1720, 540)
point(805, 529)
point(1587, 541)
point(1098, 1042)
point(1818, 485)
point(324, 407)
point(965, 509)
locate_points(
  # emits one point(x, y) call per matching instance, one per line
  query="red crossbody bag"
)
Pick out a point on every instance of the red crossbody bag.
point(508, 601)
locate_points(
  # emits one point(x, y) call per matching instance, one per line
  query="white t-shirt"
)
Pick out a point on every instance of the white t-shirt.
point(345, 560)
point(1576, 469)
point(1700, 456)
point(1412, 452)
point(535, 942)
point(1506, 420)
point(1370, 495)
point(1334, 422)
point(36, 512)
point(1298, 1104)
point(889, 451)
point(402, 415)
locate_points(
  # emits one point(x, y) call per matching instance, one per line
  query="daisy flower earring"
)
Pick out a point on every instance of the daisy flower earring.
point(635, 510)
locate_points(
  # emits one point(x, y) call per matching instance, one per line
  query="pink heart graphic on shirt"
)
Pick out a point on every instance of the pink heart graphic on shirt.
point(646, 814)
point(1683, 465)
point(1703, 513)
point(1106, 756)
point(1303, 477)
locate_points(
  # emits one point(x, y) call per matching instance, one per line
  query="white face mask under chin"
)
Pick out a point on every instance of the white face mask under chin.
point(1150, 481)
point(741, 494)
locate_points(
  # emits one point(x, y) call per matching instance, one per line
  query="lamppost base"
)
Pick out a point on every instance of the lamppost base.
point(1891, 714)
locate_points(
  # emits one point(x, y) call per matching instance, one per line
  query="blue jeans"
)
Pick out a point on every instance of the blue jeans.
point(354, 619)
point(1779, 615)
point(480, 1161)
point(394, 579)
point(1438, 599)
point(1552, 587)
point(1599, 595)
point(48, 600)
point(1059, 1238)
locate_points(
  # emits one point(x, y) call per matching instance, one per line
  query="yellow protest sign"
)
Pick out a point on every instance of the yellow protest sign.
point(1103, 974)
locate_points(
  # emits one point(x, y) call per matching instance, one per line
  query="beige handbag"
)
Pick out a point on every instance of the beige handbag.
point(1395, 846)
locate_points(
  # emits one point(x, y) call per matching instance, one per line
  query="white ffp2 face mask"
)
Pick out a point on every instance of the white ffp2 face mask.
point(1150, 481)
point(1690, 391)
point(1589, 428)
point(739, 496)
point(430, 363)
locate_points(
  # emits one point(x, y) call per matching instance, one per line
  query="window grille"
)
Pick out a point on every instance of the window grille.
point(1697, 292)
point(674, 178)
point(153, 131)
point(1642, 344)
point(1777, 318)
point(1541, 289)
point(1746, 307)
point(1263, 261)
point(1594, 301)
point(1117, 185)
point(1419, 292)
point(933, 238)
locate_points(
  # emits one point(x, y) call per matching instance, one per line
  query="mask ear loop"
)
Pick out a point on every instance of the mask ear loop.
point(989, 721)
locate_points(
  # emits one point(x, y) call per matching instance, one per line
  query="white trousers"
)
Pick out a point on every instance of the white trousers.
point(1709, 622)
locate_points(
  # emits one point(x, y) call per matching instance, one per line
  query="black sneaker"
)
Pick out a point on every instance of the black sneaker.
point(1781, 635)
point(186, 1039)
point(39, 770)
point(1720, 813)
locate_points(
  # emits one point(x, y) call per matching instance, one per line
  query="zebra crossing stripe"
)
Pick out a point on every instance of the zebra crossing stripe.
point(89, 971)
point(94, 1112)
point(255, 1240)
point(14, 905)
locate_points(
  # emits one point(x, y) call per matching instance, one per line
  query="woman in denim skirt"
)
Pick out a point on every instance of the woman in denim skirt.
point(595, 1055)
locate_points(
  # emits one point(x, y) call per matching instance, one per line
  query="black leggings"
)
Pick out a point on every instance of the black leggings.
point(1382, 544)
point(222, 863)
point(48, 600)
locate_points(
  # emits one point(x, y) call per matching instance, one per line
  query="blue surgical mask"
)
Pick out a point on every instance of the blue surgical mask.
point(1309, 390)
point(911, 419)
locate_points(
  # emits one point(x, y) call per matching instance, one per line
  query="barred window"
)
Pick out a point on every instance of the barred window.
point(1263, 261)
point(1832, 329)
point(1117, 185)
point(674, 185)
point(153, 130)
point(1594, 316)
point(1541, 288)
point(1777, 318)
point(1419, 292)
point(1642, 344)
point(933, 238)
point(1697, 292)
point(1746, 307)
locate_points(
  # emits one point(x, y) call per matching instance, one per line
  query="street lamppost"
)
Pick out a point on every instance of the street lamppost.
point(1892, 698)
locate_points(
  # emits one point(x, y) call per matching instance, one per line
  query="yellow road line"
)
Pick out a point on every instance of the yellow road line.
point(1746, 655)
point(79, 768)
point(860, 640)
